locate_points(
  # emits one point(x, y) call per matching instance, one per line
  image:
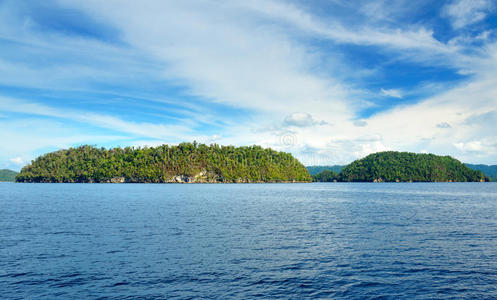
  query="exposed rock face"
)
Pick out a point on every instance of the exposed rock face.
point(118, 180)
point(201, 177)
point(204, 177)
point(181, 179)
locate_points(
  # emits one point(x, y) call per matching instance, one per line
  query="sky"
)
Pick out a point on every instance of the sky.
point(329, 81)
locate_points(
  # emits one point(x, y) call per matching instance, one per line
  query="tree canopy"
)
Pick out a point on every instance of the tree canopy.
point(394, 166)
point(490, 171)
point(187, 162)
point(325, 176)
point(313, 170)
point(7, 175)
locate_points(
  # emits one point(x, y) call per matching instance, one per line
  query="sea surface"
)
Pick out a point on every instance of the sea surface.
point(243, 241)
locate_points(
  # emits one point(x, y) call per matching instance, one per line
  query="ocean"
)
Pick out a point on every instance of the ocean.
point(244, 241)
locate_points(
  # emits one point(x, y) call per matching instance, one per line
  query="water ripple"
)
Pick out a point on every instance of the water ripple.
point(358, 241)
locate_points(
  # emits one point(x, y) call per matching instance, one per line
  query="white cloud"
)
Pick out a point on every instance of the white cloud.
point(360, 123)
point(273, 70)
point(104, 121)
point(260, 69)
point(466, 109)
point(391, 93)
point(476, 150)
point(470, 146)
point(467, 12)
point(16, 160)
point(412, 43)
point(443, 125)
point(33, 136)
point(396, 38)
point(372, 147)
point(459, 122)
point(302, 120)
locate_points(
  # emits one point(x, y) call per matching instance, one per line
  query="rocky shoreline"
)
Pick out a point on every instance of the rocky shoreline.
point(202, 177)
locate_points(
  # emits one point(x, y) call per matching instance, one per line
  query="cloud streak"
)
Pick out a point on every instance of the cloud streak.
point(466, 12)
point(391, 93)
point(100, 120)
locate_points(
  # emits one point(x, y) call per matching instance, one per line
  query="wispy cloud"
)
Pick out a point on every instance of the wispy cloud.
point(105, 121)
point(419, 41)
point(467, 12)
point(360, 123)
point(302, 119)
point(16, 160)
point(443, 125)
point(391, 93)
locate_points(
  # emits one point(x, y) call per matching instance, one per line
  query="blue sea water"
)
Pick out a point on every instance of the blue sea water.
point(220, 241)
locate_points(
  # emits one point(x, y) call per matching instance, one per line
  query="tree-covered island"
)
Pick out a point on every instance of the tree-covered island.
point(394, 166)
point(7, 175)
point(199, 163)
point(187, 162)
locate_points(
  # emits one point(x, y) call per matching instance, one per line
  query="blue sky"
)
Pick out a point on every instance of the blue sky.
point(329, 81)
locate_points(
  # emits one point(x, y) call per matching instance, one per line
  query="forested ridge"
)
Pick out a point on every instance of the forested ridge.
point(193, 162)
point(187, 162)
point(490, 171)
point(325, 176)
point(7, 175)
point(392, 166)
point(313, 170)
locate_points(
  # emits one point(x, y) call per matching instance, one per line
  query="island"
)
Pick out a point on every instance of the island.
point(488, 170)
point(325, 176)
point(313, 170)
point(392, 166)
point(184, 163)
point(7, 175)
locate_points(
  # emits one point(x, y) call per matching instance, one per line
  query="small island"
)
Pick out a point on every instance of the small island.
point(7, 175)
point(185, 163)
point(392, 166)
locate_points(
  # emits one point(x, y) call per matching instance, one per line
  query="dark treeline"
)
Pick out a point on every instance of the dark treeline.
point(394, 166)
point(325, 176)
point(187, 162)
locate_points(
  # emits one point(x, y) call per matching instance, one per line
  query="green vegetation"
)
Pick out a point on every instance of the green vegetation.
point(7, 175)
point(325, 176)
point(404, 166)
point(192, 162)
point(313, 170)
point(187, 162)
point(490, 171)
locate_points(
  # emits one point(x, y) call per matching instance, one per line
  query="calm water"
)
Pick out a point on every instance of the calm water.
point(248, 240)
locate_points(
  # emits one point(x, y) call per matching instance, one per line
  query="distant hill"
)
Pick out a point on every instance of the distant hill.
point(7, 175)
point(490, 171)
point(313, 170)
point(325, 176)
point(394, 166)
point(187, 162)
